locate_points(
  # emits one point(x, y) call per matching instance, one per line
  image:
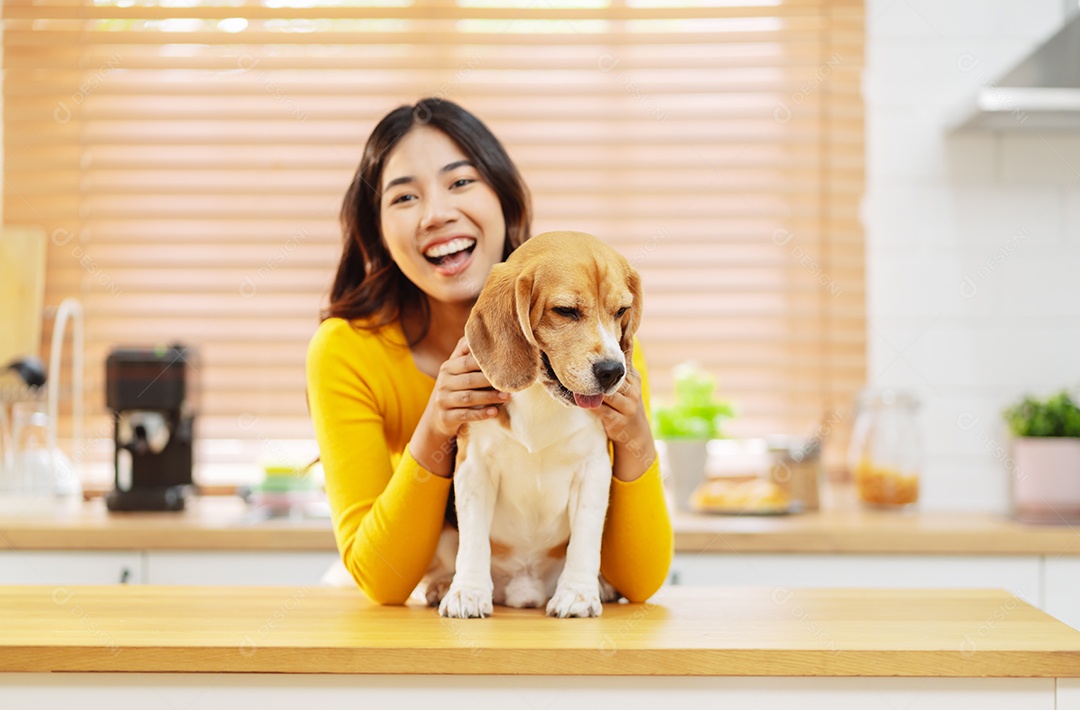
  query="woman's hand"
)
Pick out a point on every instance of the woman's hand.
point(623, 416)
point(462, 394)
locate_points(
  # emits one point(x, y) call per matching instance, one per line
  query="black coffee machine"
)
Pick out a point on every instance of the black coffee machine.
point(153, 426)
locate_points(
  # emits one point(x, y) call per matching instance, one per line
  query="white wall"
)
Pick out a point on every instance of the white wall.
point(938, 208)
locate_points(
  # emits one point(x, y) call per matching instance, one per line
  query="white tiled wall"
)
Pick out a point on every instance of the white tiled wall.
point(973, 239)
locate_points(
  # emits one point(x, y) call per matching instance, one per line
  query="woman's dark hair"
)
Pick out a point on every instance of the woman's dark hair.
point(368, 283)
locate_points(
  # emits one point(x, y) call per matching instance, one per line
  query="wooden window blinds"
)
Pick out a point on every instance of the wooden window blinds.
point(187, 161)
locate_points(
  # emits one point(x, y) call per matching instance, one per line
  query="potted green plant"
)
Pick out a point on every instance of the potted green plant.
point(685, 428)
point(1045, 467)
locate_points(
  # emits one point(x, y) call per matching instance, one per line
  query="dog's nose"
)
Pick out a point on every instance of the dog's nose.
point(608, 372)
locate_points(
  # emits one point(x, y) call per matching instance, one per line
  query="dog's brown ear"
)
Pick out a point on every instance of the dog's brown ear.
point(499, 330)
point(632, 318)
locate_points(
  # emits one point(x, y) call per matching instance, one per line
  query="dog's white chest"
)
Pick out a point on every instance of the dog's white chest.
point(538, 422)
point(538, 469)
point(543, 435)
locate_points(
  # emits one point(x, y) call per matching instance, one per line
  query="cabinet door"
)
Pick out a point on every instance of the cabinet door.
point(66, 567)
point(1018, 575)
point(1063, 589)
point(237, 568)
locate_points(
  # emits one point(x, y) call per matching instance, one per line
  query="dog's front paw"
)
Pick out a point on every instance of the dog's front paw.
point(465, 601)
point(574, 600)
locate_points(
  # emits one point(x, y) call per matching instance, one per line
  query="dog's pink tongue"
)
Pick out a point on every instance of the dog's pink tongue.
point(591, 401)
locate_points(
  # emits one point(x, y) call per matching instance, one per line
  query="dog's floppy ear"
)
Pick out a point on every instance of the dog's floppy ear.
point(632, 318)
point(500, 330)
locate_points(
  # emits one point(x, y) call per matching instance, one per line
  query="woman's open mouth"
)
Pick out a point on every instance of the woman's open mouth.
point(452, 257)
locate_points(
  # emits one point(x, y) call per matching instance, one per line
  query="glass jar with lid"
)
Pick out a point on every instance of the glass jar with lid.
point(885, 454)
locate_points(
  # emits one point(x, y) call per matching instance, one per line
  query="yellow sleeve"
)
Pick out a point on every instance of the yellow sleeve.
point(387, 521)
point(638, 543)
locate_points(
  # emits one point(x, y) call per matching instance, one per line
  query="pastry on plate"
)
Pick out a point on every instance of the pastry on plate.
point(754, 495)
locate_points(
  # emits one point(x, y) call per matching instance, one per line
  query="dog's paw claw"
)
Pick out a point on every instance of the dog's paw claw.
point(575, 601)
point(466, 602)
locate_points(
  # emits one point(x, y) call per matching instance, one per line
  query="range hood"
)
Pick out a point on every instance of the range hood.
point(1042, 91)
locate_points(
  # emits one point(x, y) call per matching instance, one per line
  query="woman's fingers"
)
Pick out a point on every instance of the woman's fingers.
point(478, 397)
point(462, 393)
point(460, 364)
point(467, 393)
point(470, 415)
point(471, 405)
point(471, 381)
point(464, 373)
point(459, 358)
point(458, 376)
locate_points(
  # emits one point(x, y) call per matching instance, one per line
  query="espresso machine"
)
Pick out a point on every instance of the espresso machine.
point(149, 393)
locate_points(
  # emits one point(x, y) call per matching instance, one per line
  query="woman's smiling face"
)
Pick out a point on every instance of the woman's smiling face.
point(442, 223)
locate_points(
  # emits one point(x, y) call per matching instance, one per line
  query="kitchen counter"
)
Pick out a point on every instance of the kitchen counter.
point(873, 532)
point(226, 523)
point(207, 523)
point(680, 631)
point(776, 640)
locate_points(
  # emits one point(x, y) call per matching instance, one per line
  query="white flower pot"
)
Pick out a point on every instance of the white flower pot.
point(683, 466)
point(1045, 475)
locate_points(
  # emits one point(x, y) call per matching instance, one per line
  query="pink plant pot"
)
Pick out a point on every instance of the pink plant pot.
point(1045, 474)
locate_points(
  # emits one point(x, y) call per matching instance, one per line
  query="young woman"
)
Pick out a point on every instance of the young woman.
point(434, 204)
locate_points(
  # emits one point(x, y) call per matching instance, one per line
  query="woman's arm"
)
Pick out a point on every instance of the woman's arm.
point(638, 544)
point(387, 521)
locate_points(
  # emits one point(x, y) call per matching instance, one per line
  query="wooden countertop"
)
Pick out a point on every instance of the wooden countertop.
point(208, 523)
point(225, 523)
point(681, 631)
point(874, 532)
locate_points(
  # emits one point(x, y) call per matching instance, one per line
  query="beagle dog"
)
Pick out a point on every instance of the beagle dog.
point(554, 324)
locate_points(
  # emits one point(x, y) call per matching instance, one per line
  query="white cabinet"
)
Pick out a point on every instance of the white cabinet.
point(1063, 589)
point(68, 567)
point(237, 568)
point(164, 567)
point(1020, 575)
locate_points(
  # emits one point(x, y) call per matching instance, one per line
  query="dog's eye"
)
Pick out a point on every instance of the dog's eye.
point(622, 311)
point(567, 312)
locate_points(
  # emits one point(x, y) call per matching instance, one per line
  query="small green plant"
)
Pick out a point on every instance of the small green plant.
point(696, 414)
point(1056, 416)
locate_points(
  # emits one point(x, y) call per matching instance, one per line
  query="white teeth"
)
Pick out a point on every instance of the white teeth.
point(449, 247)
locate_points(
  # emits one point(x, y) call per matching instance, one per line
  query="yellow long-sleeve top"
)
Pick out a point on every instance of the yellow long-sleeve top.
point(366, 397)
